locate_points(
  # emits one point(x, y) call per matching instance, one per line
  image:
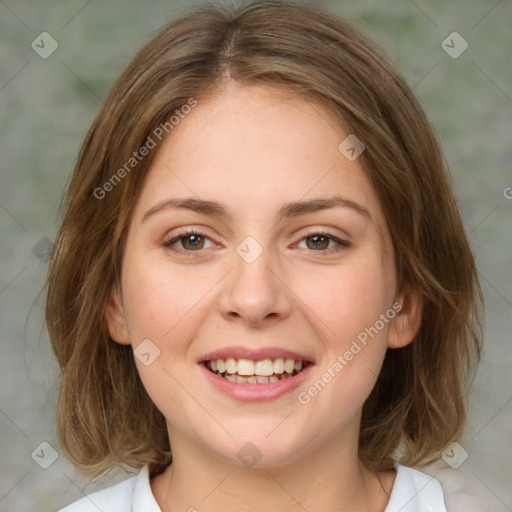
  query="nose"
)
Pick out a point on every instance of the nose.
point(255, 292)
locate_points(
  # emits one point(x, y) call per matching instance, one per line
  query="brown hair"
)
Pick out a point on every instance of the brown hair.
point(105, 418)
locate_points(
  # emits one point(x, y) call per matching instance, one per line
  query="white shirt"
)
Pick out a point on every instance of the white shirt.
point(412, 491)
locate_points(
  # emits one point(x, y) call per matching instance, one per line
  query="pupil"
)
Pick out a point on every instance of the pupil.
point(318, 239)
point(193, 240)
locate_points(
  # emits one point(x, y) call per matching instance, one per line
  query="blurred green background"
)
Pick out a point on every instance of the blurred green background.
point(47, 105)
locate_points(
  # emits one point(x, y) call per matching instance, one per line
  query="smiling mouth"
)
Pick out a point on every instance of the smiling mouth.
point(245, 371)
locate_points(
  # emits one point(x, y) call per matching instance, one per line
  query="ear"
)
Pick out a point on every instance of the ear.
point(406, 324)
point(116, 320)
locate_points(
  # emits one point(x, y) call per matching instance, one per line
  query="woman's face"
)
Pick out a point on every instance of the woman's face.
point(259, 277)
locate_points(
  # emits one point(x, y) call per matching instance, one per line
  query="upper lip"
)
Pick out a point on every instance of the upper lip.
point(254, 354)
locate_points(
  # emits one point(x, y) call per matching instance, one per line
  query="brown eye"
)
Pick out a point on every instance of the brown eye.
point(191, 241)
point(318, 241)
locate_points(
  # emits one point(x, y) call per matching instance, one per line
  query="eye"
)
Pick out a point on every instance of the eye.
point(193, 241)
point(320, 240)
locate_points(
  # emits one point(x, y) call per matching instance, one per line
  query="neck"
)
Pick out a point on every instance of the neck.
point(329, 478)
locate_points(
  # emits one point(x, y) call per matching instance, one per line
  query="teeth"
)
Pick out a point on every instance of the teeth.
point(246, 367)
point(265, 367)
point(279, 365)
point(246, 371)
point(289, 365)
point(231, 366)
point(261, 368)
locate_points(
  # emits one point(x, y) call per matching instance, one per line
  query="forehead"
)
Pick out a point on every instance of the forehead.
point(254, 149)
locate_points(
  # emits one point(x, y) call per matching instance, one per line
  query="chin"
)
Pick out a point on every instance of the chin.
point(261, 450)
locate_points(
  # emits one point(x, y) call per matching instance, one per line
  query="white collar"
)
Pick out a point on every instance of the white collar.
point(413, 491)
point(143, 499)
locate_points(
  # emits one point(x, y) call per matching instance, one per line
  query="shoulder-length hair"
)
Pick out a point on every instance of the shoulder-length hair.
point(105, 418)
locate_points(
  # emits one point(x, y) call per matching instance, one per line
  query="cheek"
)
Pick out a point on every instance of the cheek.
point(164, 305)
point(349, 299)
point(347, 304)
point(161, 299)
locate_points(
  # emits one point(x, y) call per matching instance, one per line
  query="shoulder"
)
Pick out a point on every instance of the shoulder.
point(131, 494)
point(414, 491)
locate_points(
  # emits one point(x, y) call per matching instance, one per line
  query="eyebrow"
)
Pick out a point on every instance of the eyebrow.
point(288, 210)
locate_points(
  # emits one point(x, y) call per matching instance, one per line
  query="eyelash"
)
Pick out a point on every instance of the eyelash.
point(342, 244)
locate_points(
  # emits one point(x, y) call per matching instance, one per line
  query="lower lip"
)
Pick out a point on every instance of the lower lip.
point(256, 392)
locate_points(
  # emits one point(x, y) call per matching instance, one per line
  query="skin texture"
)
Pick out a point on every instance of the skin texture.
point(254, 150)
